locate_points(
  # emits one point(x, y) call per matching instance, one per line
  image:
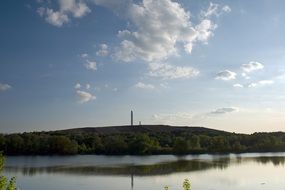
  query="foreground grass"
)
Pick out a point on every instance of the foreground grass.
point(186, 185)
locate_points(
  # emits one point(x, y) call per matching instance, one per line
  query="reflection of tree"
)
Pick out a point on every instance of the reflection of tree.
point(165, 168)
point(138, 170)
point(274, 160)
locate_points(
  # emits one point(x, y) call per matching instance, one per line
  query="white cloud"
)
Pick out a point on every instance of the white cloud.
point(77, 7)
point(159, 27)
point(84, 55)
point(67, 8)
point(4, 87)
point(84, 96)
point(252, 66)
point(103, 51)
point(55, 18)
point(266, 82)
point(244, 75)
point(227, 9)
point(144, 86)
point(167, 71)
point(88, 86)
point(77, 86)
point(215, 10)
point(224, 110)
point(205, 30)
point(226, 75)
point(91, 65)
point(260, 83)
point(238, 85)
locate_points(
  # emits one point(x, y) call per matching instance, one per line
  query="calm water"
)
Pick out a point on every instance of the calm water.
point(206, 172)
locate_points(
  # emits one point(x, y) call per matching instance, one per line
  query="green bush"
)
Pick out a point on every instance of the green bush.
point(4, 183)
point(186, 185)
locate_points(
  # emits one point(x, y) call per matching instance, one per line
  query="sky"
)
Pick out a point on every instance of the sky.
point(84, 63)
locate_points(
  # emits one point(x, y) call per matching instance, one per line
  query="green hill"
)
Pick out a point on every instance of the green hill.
point(142, 129)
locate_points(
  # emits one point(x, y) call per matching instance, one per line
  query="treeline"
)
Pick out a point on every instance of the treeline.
point(49, 143)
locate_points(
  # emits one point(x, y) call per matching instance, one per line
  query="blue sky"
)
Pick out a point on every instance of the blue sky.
point(77, 63)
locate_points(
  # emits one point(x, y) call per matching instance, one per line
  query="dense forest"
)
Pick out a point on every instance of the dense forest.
point(139, 143)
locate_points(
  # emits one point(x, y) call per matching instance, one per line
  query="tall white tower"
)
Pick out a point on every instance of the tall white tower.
point(132, 118)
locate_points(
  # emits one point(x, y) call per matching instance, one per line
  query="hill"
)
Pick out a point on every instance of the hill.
point(142, 129)
point(139, 140)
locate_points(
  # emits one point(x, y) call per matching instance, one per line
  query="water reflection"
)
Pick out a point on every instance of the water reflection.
point(124, 170)
point(161, 168)
point(276, 161)
point(135, 169)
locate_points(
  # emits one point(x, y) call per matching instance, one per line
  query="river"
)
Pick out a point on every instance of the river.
point(252, 171)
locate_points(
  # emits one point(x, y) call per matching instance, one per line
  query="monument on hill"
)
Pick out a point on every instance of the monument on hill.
point(132, 118)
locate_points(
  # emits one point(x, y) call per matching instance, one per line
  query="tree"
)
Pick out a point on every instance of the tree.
point(195, 143)
point(2, 142)
point(15, 143)
point(181, 146)
point(63, 145)
point(115, 145)
point(143, 144)
point(94, 144)
point(220, 144)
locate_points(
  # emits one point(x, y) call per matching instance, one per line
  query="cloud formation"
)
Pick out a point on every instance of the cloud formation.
point(88, 86)
point(84, 55)
point(144, 86)
point(238, 85)
point(91, 65)
point(4, 87)
point(226, 75)
point(85, 96)
point(103, 51)
point(77, 86)
point(260, 83)
point(224, 110)
point(215, 10)
point(67, 9)
point(159, 27)
point(167, 71)
point(252, 66)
